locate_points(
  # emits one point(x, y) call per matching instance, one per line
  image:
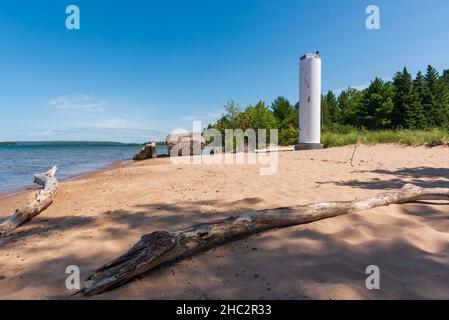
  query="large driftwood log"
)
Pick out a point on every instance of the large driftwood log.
point(44, 198)
point(162, 247)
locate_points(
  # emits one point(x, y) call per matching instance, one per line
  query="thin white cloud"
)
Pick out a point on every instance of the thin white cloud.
point(44, 133)
point(202, 116)
point(78, 102)
point(126, 135)
point(108, 123)
point(358, 87)
point(118, 129)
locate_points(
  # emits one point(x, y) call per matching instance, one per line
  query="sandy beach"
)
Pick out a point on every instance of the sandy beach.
point(98, 216)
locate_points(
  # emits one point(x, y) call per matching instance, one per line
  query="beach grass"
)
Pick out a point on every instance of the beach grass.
point(350, 136)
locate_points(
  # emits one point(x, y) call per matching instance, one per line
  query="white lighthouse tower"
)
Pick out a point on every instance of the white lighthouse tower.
point(310, 102)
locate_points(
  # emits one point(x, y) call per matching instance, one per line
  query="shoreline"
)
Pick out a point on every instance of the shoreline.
point(121, 163)
point(32, 187)
point(98, 217)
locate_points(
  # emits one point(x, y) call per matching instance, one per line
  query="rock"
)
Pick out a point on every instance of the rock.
point(148, 152)
point(185, 144)
point(435, 143)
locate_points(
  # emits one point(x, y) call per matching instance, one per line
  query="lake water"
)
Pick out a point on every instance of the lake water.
point(18, 163)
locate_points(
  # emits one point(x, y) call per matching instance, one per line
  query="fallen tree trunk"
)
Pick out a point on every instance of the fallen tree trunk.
point(162, 247)
point(44, 198)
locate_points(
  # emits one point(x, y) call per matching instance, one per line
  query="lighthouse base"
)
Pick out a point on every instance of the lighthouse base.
point(308, 146)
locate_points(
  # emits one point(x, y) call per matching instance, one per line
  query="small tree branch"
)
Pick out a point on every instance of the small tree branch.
point(353, 154)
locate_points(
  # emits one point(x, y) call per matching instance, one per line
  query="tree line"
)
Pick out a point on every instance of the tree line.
point(405, 102)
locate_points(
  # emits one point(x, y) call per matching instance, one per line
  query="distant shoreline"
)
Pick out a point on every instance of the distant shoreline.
point(7, 143)
point(58, 143)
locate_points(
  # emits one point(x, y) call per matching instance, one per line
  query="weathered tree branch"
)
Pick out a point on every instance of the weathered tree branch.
point(44, 198)
point(162, 247)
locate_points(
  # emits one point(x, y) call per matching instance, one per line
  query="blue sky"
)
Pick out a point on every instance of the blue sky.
point(138, 69)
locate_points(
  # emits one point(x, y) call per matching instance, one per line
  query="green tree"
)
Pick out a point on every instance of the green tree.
point(232, 112)
point(282, 109)
point(436, 99)
point(325, 114)
point(229, 118)
point(257, 117)
point(349, 103)
point(445, 77)
point(289, 126)
point(407, 110)
point(329, 109)
point(377, 105)
point(416, 117)
point(289, 135)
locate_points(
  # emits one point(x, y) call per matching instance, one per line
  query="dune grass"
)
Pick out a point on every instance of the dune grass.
point(351, 136)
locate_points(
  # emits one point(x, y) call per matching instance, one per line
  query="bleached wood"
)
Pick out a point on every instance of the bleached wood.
point(162, 247)
point(43, 199)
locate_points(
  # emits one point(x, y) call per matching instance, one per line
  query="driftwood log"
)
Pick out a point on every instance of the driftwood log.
point(162, 247)
point(43, 199)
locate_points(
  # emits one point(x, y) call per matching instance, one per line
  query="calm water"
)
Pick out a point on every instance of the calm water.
point(19, 163)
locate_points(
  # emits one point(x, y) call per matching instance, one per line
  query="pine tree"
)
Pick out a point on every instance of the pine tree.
point(445, 77)
point(436, 99)
point(333, 107)
point(325, 115)
point(377, 105)
point(403, 87)
point(349, 105)
point(329, 109)
point(282, 109)
point(407, 110)
point(418, 117)
point(428, 99)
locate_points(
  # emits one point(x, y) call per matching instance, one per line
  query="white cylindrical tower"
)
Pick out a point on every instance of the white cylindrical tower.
point(310, 102)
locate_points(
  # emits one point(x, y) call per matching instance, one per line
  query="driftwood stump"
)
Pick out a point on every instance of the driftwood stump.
point(162, 247)
point(43, 199)
point(148, 152)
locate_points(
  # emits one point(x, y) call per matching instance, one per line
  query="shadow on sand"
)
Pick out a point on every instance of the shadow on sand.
point(279, 264)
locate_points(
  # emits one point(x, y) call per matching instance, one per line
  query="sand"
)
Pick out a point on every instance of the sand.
point(98, 216)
